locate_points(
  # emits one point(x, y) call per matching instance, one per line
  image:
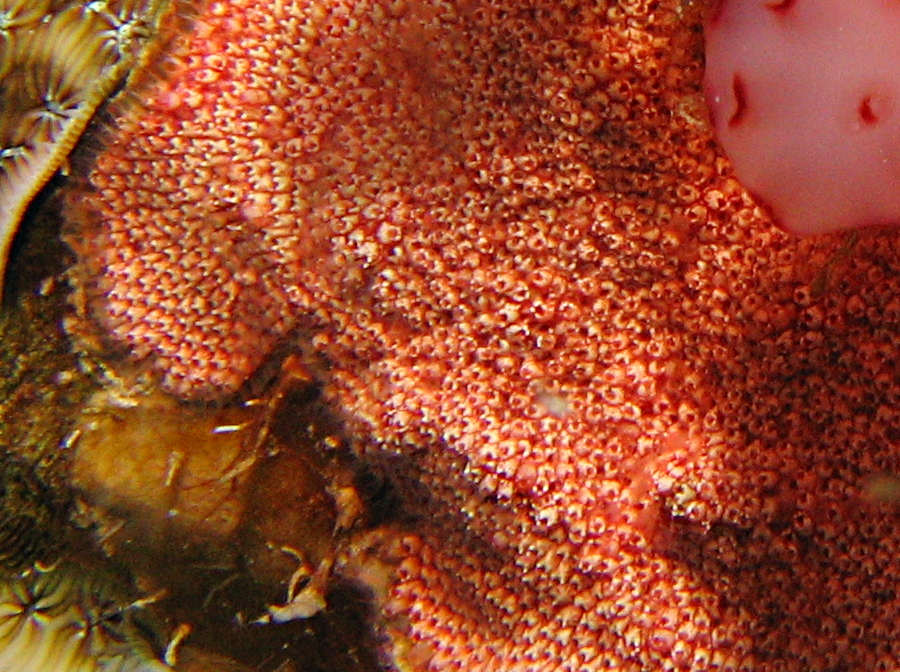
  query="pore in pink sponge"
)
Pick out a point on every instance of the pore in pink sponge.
point(805, 99)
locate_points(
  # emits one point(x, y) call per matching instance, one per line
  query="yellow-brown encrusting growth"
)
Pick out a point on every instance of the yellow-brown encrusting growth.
point(59, 60)
point(634, 426)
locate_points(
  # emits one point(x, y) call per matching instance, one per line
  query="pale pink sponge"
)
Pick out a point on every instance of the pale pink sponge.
point(805, 99)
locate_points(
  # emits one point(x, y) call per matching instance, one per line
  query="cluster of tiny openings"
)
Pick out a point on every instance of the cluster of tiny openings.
point(635, 421)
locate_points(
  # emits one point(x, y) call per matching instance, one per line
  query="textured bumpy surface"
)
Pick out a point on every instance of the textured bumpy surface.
point(635, 426)
point(805, 96)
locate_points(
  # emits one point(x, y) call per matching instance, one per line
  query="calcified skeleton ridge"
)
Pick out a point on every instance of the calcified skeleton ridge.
point(59, 60)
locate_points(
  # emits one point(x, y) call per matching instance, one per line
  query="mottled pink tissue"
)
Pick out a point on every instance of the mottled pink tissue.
point(805, 99)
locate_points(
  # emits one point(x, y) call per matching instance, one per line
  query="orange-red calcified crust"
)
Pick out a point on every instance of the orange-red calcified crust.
point(634, 422)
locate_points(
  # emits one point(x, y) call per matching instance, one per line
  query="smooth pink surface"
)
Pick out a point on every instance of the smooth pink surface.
point(805, 98)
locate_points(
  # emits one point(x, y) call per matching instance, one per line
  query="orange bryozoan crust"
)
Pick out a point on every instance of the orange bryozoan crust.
point(633, 425)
